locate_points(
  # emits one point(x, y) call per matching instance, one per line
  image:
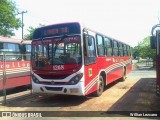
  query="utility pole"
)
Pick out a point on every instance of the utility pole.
point(22, 20)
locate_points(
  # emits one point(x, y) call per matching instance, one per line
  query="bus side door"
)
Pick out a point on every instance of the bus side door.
point(90, 60)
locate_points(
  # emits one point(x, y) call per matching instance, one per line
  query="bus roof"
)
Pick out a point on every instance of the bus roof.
point(13, 40)
point(38, 32)
point(59, 24)
point(104, 35)
point(10, 40)
point(26, 41)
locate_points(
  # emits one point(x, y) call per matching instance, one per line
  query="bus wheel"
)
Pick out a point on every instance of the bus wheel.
point(100, 86)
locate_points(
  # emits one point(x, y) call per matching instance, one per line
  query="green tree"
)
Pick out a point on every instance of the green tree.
point(8, 20)
point(144, 50)
point(30, 34)
point(31, 31)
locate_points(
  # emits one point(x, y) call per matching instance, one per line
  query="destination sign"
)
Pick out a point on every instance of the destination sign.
point(57, 30)
point(54, 31)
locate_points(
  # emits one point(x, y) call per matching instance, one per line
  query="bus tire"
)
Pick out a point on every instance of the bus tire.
point(124, 75)
point(100, 87)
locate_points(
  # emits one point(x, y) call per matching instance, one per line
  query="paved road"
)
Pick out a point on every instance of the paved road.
point(143, 71)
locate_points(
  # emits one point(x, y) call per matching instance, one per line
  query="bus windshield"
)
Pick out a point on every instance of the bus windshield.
point(11, 50)
point(56, 51)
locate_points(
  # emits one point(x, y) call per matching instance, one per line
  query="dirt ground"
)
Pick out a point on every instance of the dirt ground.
point(136, 93)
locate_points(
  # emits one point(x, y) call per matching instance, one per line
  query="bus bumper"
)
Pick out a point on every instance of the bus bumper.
point(77, 89)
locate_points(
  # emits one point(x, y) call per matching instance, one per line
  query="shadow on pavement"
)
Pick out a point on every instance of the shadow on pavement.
point(38, 100)
point(15, 90)
point(141, 97)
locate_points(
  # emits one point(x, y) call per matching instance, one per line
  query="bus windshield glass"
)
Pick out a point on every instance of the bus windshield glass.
point(62, 50)
point(11, 50)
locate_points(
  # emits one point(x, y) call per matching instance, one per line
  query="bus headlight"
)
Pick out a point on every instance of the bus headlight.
point(35, 80)
point(75, 79)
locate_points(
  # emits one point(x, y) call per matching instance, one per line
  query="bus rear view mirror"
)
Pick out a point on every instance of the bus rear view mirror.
point(153, 42)
point(89, 41)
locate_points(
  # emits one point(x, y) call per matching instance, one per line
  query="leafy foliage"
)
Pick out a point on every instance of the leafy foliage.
point(144, 50)
point(31, 31)
point(8, 21)
point(30, 34)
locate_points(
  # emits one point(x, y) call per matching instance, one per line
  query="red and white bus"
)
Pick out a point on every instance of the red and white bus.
point(71, 59)
point(14, 62)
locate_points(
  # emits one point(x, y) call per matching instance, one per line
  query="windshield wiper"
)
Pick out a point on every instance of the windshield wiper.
point(43, 43)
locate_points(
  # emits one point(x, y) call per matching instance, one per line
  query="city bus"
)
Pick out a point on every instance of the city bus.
point(70, 59)
point(14, 62)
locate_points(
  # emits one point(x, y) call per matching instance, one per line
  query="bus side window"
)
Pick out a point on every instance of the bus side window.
point(1, 46)
point(108, 45)
point(128, 51)
point(1, 51)
point(115, 48)
point(27, 51)
point(124, 50)
point(120, 49)
point(89, 49)
point(100, 45)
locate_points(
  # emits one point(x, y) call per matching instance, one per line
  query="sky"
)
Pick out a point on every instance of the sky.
point(129, 21)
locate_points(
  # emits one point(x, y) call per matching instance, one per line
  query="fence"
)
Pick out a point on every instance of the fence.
point(149, 62)
point(14, 72)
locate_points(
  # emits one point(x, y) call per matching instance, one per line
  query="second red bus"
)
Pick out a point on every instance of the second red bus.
point(14, 62)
